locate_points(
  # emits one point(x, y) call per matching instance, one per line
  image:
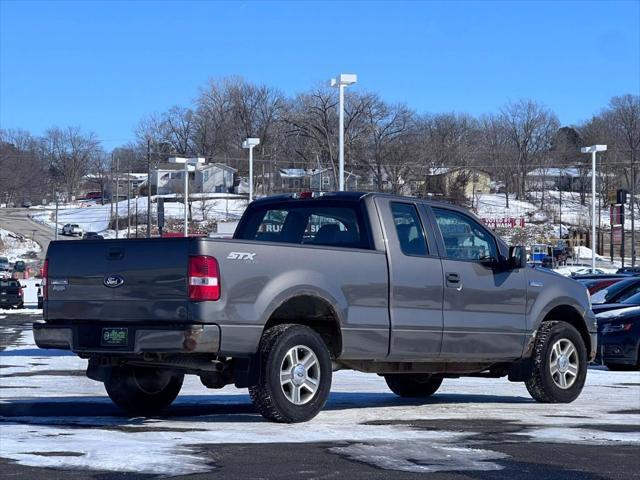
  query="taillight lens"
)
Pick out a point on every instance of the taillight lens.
point(203, 278)
point(43, 283)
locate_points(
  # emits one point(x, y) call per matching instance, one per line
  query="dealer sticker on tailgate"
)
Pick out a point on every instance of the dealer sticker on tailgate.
point(115, 337)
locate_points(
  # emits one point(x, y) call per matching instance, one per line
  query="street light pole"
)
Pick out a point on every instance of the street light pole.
point(340, 82)
point(592, 150)
point(250, 143)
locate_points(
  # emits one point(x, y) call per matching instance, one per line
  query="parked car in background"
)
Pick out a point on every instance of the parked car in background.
point(5, 266)
point(596, 284)
point(616, 291)
point(72, 229)
point(631, 270)
point(587, 271)
point(92, 236)
point(622, 294)
point(27, 204)
point(93, 196)
point(11, 294)
point(619, 338)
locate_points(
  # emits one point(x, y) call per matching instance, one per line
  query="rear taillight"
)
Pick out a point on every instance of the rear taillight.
point(203, 278)
point(43, 283)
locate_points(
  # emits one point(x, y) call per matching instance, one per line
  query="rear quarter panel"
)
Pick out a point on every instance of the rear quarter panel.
point(257, 277)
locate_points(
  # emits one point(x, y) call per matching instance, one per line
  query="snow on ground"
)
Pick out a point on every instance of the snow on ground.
point(15, 247)
point(356, 413)
point(93, 217)
point(493, 205)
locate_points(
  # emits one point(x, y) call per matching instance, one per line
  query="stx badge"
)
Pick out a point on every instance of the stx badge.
point(241, 256)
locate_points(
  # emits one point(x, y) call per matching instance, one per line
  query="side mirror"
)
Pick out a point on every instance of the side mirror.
point(517, 257)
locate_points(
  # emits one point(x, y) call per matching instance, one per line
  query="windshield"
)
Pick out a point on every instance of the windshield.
point(632, 299)
point(616, 292)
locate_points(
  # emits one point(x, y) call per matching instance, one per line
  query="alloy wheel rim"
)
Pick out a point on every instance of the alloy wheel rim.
point(300, 375)
point(563, 363)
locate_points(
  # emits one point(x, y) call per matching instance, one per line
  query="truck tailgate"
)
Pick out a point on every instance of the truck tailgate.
point(118, 280)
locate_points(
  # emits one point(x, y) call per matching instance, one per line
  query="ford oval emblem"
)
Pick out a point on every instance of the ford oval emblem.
point(113, 281)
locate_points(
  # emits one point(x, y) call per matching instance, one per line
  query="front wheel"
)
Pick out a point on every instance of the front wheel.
point(294, 377)
point(143, 391)
point(413, 386)
point(559, 367)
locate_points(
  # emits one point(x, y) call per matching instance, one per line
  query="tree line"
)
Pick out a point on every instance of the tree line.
point(389, 146)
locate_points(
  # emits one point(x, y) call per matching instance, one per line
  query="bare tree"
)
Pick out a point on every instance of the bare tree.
point(71, 155)
point(530, 129)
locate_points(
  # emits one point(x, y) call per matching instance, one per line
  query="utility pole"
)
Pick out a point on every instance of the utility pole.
point(111, 189)
point(136, 216)
point(148, 188)
point(633, 208)
point(56, 225)
point(560, 211)
point(129, 203)
point(117, 194)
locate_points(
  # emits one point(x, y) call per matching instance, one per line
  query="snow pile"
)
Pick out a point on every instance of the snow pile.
point(16, 247)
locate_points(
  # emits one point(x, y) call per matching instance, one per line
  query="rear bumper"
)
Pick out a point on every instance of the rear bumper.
point(85, 338)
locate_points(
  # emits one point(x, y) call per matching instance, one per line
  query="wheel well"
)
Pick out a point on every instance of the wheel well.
point(313, 312)
point(570, 315)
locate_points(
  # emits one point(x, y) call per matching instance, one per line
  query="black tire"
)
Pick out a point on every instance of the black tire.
point(143, 391)
point(268, 395)
point(541, 385)
point(413, 386)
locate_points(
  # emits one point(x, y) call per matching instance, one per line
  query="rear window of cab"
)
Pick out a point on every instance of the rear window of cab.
point(306, 223)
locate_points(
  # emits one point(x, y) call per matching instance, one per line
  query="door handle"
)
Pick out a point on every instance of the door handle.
point(453, 281)
point(115, 253)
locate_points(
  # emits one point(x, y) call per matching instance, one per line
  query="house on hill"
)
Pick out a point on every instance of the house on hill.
point(457, 181)
point(208, 178)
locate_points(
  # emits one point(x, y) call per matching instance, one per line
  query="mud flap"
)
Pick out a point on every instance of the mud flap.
point(520, 370)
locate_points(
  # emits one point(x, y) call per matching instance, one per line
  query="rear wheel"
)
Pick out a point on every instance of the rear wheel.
point(413, 386)
point(294, 376)
point(559, 365)
point(143, 391)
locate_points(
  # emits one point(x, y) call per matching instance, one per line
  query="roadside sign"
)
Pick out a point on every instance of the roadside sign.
point(616, 235)
point(616, 214)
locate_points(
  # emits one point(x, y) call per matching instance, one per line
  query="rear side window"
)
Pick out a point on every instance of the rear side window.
point(409, 229)
point(9, 283)
point(306, 224)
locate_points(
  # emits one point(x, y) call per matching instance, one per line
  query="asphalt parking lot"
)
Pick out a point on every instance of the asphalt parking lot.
point(55, 423)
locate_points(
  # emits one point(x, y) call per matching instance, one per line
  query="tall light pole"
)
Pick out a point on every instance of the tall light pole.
point(193, 161)
point(250, 143)
point(341, 81)
point(592, 150)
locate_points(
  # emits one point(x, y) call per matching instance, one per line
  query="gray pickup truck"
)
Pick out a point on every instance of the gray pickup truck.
point(410, 289)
